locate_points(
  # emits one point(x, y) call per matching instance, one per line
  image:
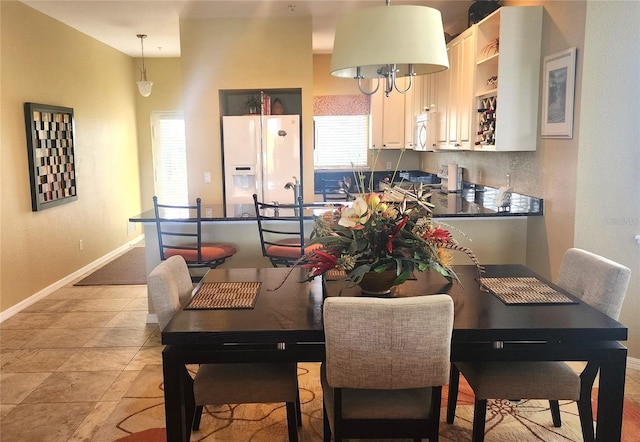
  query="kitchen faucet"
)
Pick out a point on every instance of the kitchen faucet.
point(295, 185)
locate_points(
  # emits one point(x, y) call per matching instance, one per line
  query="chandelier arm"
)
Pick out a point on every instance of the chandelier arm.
point(411, 75)
point(359, 77)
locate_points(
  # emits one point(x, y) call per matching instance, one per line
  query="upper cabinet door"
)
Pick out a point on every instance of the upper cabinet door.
point(388, 118)
point(460, 93)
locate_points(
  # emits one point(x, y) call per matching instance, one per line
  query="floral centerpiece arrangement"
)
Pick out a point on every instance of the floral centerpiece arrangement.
point(380, 232)
point(377, 235)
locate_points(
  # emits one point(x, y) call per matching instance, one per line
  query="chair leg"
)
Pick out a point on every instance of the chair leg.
point(479, 416)
point(554, 406)
point(197, 416)
point(434, 415)
point(292, 421)
point(326, 428)
point(452, 398)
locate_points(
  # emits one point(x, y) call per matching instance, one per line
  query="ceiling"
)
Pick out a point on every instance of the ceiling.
point(116, 23)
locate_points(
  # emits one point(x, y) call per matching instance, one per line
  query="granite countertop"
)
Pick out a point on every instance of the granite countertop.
point(473, 201)
point(478, 200)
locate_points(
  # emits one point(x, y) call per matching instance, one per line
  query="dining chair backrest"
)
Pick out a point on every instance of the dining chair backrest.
point(281, 230)
point(179, 229)
point(598, 281)
point(170, 287)
point(388, 343)
point(172, 236)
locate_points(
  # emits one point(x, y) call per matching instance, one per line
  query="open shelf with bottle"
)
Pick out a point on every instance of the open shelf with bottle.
point(486, 132)
point(508, 47)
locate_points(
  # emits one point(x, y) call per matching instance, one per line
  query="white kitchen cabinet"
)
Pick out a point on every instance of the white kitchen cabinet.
point(413, 106)
point(455, 124)
point(508, 79)
point(462, 54)
point(387, 120)
point(427, 103)
point(440, 115)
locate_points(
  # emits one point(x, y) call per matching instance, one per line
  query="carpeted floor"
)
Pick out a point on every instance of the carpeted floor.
point(127, 269)
point(139, 417)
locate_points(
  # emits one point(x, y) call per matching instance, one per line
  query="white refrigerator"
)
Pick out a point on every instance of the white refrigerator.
point(261, 154)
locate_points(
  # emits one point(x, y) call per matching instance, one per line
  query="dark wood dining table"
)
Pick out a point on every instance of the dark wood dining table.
point(285, 324)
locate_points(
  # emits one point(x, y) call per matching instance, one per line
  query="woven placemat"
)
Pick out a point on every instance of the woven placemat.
point(525, 290)
point(219, 295)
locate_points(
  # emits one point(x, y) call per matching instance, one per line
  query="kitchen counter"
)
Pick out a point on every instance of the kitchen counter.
point(480, 201)
point(473, 201)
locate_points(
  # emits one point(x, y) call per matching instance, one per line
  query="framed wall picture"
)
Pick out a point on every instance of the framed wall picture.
point(558, 93)
point(51, 151)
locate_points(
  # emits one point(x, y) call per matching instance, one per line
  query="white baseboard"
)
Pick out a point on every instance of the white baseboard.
point(6, 314)
point(152, 318)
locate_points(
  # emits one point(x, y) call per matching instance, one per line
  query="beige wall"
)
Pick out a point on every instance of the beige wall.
point(166, 95)
point(239, 54)
point(47, 62)
point(608, 183)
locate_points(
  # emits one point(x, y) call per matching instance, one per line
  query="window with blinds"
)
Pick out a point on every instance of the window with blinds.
point(341, 141)
point(169, 157)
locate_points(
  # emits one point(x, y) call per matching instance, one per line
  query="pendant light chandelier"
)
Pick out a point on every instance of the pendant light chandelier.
point(144, 85)
point(387, 42)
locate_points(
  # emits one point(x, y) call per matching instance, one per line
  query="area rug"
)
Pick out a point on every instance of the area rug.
point(127, 269)
point(139, 417)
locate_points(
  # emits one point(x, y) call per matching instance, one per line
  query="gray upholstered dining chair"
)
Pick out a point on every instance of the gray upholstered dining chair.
point(386, 362)
point(597, 281)
point(170, 288)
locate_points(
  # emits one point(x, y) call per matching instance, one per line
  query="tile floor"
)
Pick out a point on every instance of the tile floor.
point(67, 360)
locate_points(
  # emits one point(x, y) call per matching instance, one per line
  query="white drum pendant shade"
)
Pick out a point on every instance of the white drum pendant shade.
point(375, 37)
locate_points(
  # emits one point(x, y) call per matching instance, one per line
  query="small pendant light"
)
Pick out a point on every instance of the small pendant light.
point(144, 86)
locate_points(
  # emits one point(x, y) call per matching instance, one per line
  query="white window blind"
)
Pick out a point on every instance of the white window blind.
point(169, 157)
point(341, 141)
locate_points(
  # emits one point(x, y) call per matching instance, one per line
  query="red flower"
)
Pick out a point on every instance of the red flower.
point(437, 234)
point(320, 262)
point(397, 230)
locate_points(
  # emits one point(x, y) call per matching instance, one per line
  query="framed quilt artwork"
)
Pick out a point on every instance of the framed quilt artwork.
point(51, 151)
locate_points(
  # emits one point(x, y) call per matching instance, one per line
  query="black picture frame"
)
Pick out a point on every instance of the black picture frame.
point(51, 151)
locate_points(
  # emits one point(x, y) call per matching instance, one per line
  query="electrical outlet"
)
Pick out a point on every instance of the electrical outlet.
point(81, 245)
point(389, 165)
point(207, 177)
